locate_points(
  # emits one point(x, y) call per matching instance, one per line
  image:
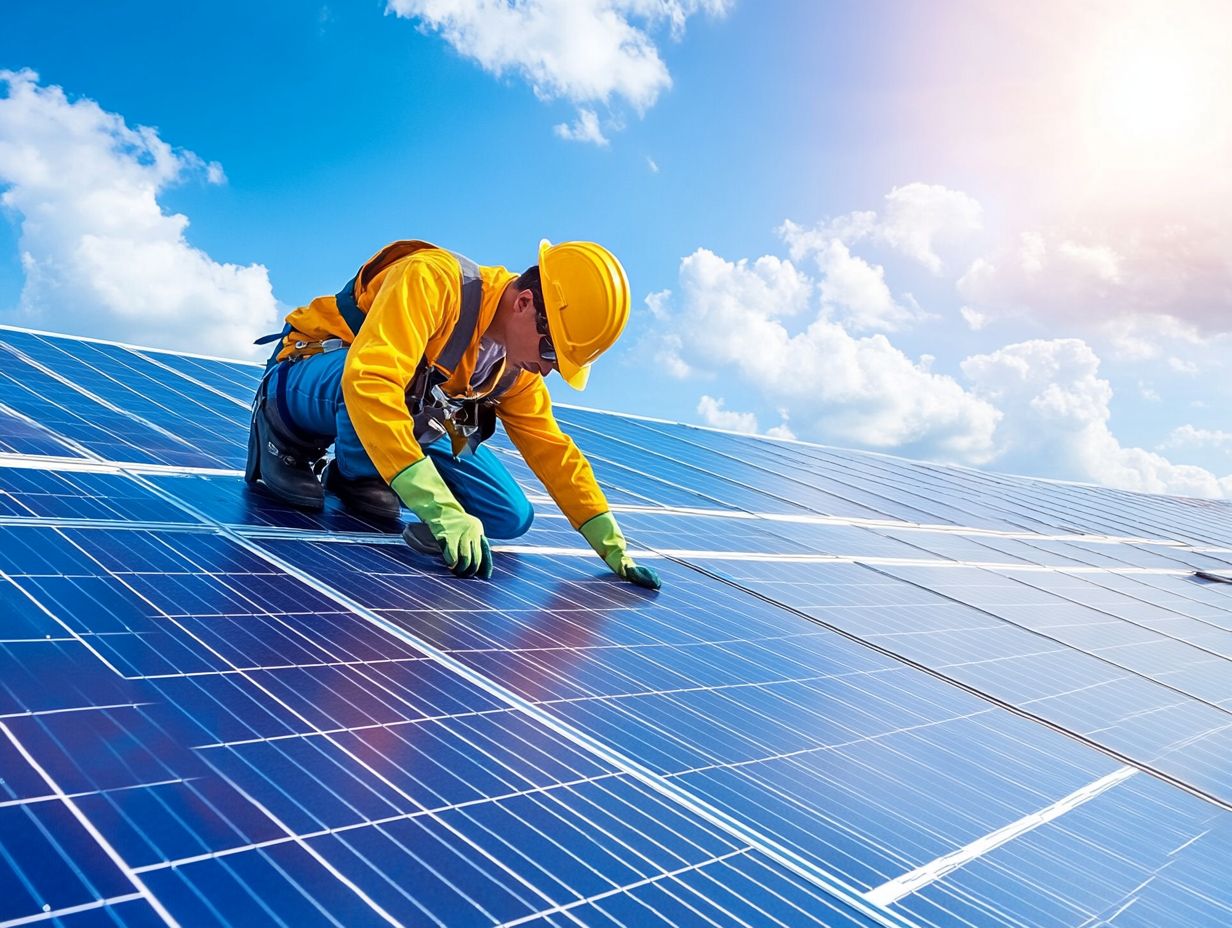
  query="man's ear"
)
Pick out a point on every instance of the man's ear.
point(525, 301)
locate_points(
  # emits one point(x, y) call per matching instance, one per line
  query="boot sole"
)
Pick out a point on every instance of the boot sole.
point(419, 539)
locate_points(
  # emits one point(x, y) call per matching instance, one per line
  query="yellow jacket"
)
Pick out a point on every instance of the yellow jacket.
point(411, 307)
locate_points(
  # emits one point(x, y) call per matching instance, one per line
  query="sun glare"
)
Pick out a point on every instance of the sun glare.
point(1152, 94)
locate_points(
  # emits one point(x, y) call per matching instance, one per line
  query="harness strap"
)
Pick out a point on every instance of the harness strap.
point(351, 314)
point(468, 315)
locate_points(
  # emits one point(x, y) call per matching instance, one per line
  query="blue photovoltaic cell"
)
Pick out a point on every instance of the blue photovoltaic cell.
point(202, 427)
point(766, 728)
point(1089, 682)
point(760, 464)
point(104, 432)
point(81, 494)
point(1150, 855)
point(188, 728)
point(234, 379)
point(21, 436)
point(253, 508)
point(253, 711)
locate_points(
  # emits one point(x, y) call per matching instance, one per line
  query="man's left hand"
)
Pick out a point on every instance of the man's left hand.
point(605, 537)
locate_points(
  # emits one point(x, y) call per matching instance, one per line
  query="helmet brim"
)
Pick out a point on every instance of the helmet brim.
point(574, 376)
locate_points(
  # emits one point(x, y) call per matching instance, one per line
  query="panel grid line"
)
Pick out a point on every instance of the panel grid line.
point(1016, 709)
point(103, 843)
point(810, 871)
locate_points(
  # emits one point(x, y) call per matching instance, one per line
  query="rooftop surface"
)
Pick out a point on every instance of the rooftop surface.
point(871, 692)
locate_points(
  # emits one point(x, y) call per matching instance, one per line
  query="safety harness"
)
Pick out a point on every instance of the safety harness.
point(470, 419)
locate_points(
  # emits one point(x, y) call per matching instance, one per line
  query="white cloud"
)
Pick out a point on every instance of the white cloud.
point(1189, 436)
point(585, 51)
point(1099, 262)
point(712, 412)
point(652, 165)
point(1104, 273)
point(98, 251)
point(857, 292)
point(1181, 366)
point(916, 220)
point(975, 319)
point(1056, 421)
point(731, 319)
point(1146, 336)
point(584, 129)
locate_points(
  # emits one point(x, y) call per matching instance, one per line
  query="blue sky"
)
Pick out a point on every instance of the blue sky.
point(957, 231)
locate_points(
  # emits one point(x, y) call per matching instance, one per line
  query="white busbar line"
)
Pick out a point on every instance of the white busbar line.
point(894, 525)
point(256, 532)
point(126, 345)
point(897, 888)
point(92, 463)
point(43, 462)
point(51, 914)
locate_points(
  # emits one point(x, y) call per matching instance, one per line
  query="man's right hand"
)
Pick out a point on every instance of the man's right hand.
point(464, 548)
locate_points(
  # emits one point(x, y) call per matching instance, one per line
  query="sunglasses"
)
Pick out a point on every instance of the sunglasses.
point(547, 351)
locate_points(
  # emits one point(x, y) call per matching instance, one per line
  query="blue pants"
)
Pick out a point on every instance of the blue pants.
point(480, 482)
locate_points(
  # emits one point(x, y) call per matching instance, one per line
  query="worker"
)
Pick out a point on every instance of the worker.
point(405, 372)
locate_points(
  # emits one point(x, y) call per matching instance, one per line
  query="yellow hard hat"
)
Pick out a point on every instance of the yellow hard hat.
point(586, 295)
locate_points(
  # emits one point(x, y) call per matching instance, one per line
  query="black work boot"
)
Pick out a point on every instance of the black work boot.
point(366, 496)
point(282, 461)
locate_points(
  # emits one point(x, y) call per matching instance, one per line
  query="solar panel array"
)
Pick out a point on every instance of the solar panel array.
point(871, 692)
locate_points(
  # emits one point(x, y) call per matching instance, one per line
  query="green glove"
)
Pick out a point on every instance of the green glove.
point(605, 537)
point(463, 546)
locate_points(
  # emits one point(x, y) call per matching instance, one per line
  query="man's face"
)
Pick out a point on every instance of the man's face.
point(522, 339)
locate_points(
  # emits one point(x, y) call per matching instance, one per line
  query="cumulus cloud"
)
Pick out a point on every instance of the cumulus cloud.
point(1189, 436)
point(1146, 337)
point(916, 220)
point(856, 292)
point(1100, 273)
point(756, 322)
point(584, 129)
point(584, 51)
point(793, 334)
point(1056, 421)
point(99, 252)
point(712, 412)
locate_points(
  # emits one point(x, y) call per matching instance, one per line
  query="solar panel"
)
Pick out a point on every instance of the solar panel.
point(872, 691)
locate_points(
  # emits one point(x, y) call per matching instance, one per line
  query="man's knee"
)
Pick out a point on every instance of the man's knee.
point(513, 521)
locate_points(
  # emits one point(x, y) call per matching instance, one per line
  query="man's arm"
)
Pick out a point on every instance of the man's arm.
point(418, 298)
point(526, 411)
